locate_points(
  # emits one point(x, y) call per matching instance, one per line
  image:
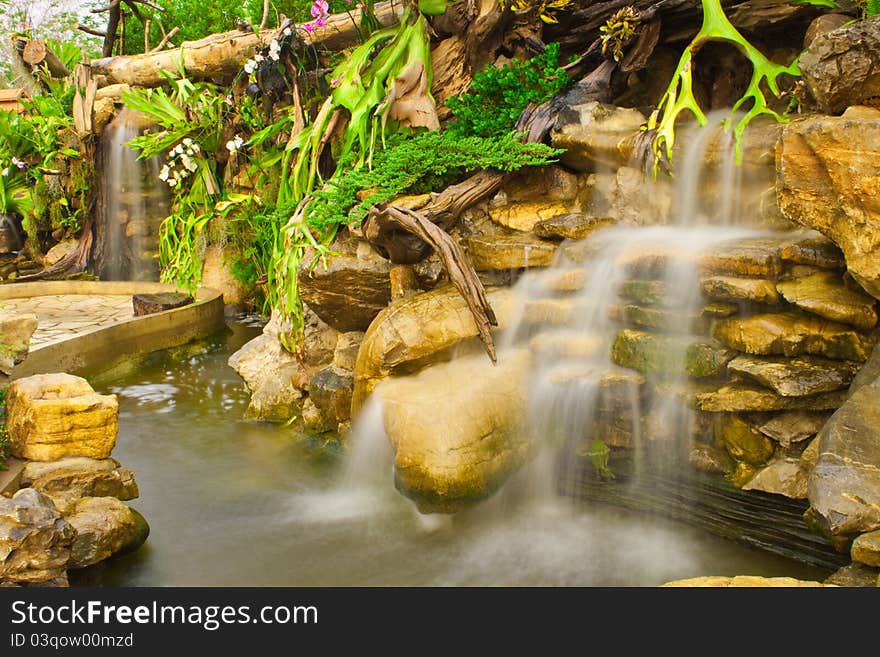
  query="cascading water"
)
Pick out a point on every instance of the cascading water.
point(133, 202)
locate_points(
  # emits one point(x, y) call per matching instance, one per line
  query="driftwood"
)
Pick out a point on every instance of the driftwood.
point(219, 57)
point(384, 219)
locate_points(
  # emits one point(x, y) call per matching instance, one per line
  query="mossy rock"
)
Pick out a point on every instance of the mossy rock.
point(650, 353)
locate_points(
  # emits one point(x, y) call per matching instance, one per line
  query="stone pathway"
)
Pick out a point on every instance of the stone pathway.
point(64, 316)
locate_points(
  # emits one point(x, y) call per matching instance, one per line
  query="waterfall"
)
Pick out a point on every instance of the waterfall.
point(133, 202)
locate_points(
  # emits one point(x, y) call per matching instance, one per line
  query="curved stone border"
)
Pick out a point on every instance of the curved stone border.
point(104, 346)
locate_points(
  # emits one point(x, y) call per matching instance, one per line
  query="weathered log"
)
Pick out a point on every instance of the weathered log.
point(219, 57)
point(384, 219)
point(680, 18)
point(37, 53)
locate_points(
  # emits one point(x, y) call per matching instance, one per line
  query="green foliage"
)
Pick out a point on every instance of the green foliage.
point(499, 95)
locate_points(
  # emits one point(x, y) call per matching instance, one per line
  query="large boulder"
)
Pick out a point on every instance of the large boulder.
point(457, 429)
point(828, 178)
point(68, 480)
point(104, 527)
point(842, 66)
point(595, 135)
point(348, 289)
point(51, 416)
point(35, 540)
point(844, 487)
point(16, 330)
point(416, 331)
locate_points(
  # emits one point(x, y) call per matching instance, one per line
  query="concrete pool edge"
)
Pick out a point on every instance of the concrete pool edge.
point(104, 346)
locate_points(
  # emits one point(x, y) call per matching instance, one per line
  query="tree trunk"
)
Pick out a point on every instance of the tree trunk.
point(36, 53)
point(219, 57)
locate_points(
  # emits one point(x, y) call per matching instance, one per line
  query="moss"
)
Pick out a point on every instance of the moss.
point(666, 355)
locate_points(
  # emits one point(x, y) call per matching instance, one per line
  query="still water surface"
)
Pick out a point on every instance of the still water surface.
point(239, 503)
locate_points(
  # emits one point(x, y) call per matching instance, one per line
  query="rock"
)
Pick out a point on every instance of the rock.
point(35, 540)
point(350, 291)
point(825, 295)
point(719, 309)
point(572, 226)
point(866, 549)
point(456, 429)
point(403, 281)
point(844, 487)
point(347, 347)
point(822, 24)
point(104, 527)
point(217, 275)
point(547, 183)
point(708, 458)
point(647, 292)
point(16, 330)
point(667, 355)
point(494, 252)
point(636, 199)
point(274, 376)
point(67, 480)
point(732, 288)
point(330, 391)
point(798, 376)
point(745, 581)
point(869, 375)
point(414, 332)
point(756, 257)
point(552, 312)
point(595, 135)
point(60, 251)
point(742, 396)
point(827, 180)
point(102, 113)
point(842, 67)
point(793, 426)
point(51, 416)
point(566, 344)
point(147, 304)
point(742, 440)
point(814, 250)
point(853, 575)
point(616, 412)
point(523, 216)
point(430, 272)
point(782, 476)
point(314, 420)
point(792, 334)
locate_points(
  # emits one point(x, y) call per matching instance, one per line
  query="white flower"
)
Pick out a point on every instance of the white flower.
point(274, 45)
point(187, 141)
point(163, 173)
point(285, 32)
point(172, 182)
point(6, 171)
point(249, 66)
point(178, 149)
point(273, 55)
point(19, 163)
point(191, 166)
point(231, 146)
point(258, 57)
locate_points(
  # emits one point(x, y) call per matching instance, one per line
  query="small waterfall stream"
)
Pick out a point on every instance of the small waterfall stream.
point(133, 202)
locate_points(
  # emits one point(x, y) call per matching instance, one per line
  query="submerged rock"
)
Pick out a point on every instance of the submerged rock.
point(842, 67)
point(827, 180)
point(866, 549)
point(792, 334)
point(35, 540)
point(51, 416)
point(732, 288)
point(104, 527)
point(824, 294)
point(798, 376)
point(844, 488)
point(457, 429)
